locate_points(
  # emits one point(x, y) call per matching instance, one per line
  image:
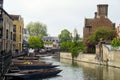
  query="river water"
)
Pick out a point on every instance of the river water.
point(82, 71)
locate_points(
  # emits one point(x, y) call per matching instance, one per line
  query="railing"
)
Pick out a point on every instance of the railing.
point(5, 61)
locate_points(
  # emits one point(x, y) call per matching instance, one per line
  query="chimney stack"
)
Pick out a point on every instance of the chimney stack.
point(95, 14)
point(102, 10)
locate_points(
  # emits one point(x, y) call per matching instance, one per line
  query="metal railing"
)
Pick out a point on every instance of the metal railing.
point(5, 61)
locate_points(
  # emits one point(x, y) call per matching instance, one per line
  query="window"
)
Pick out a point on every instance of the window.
point(11, 35)
point(20, 37)
point(14, 28)
point(0, 33)
point(89, 28)
point(6, 34)
point(14, 37)
point(20, 29)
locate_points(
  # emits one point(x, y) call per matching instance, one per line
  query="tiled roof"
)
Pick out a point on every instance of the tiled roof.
point(15, 17)
point(50, 38)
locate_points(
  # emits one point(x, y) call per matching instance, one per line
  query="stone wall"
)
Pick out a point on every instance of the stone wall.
point(110, 57)
point(81, 57)
point(113, 56)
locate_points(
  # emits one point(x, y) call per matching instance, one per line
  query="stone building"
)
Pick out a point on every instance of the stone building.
point(6, 31)
point(6, 41)
point(51, 43)
point(100, 20)
point(18, 29)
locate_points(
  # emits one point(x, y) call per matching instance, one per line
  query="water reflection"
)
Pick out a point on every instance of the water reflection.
point(95, 72)
point(84, 71)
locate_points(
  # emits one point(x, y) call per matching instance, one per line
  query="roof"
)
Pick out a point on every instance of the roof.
point(89, 21)
point(15, 17)
point(6, 13)
point(94, 21)
point(50, 38)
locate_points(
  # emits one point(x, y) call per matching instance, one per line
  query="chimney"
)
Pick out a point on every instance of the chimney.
point(1, 3)
point(102, 10)
point(95, 14)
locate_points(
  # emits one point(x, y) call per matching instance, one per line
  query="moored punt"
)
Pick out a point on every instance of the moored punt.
point(32, 74)
point(31, 66)
point(28, 58)
point(16, 61)
point(28, 65)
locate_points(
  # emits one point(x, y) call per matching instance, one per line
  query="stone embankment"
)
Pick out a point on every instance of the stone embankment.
point(89, 58)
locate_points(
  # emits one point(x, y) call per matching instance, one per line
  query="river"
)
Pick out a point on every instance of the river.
point(82, 71)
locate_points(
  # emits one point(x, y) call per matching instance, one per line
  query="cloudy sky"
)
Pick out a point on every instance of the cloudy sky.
point(61, 14)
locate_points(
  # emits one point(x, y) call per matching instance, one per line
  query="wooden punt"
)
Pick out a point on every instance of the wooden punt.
point(33, 74)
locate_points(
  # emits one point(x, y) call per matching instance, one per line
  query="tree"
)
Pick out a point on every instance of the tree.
point(65, 36)
point(37, 29)
point(76, 36)
point(101, 33)
point(65, 46)
point(35, 42)
point(75, 49)
point(115, 43)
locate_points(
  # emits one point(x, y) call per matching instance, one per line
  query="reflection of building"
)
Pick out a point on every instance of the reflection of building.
point(100, 20)
point(51, 42)
point(18, 31)
point(6, 31)
point(118, 31)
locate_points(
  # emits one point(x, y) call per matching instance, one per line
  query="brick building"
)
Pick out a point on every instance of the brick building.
point(100, 20)
point(118, 31)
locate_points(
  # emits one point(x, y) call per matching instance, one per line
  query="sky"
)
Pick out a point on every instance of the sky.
point(61, 14)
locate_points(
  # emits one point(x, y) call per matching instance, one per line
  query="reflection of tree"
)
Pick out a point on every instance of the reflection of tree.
point(74, 64)
point(93, 73)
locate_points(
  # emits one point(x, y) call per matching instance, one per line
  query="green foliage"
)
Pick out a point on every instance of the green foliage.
point(115, 43)
point(48, 42)
point(65, 36)
point(64, 46)
point(73, 47)
point(35, 42)
point(37, 29)
point(101, 33)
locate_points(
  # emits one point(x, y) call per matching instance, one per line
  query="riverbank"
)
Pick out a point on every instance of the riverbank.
point(88, 58)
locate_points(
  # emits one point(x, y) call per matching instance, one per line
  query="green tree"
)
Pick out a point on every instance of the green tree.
point(65, 46)
point(75, 49)
point(76, 36)
point(101, 33)
point(115, 43)
point(37, 29)
point(65, 36)
point(35, 42)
